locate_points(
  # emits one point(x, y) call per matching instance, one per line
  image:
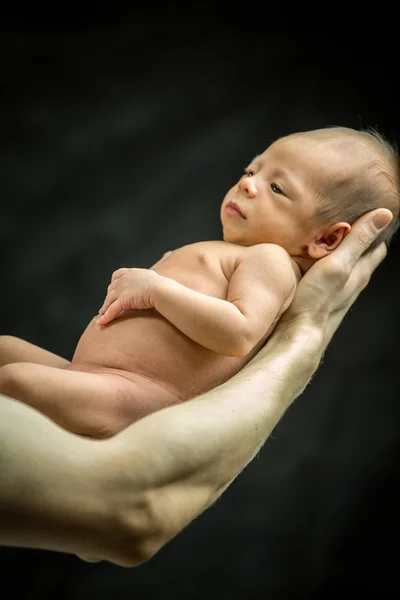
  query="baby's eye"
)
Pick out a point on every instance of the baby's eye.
point(276, 189)
point(248, 173)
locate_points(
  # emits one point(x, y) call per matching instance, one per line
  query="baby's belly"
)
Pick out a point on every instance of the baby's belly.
point(144, 345)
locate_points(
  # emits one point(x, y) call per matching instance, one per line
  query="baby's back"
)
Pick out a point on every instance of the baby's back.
point(142, 343)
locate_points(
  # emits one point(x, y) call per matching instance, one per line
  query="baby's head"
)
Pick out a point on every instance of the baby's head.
point(306, 190)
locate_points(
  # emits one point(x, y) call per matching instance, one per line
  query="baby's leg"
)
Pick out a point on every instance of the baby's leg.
point(13, 349)
point(93, 404)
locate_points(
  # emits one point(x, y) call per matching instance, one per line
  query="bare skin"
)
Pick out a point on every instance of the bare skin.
point(134, 366)
point(210, 306)
point(123, 499)
point(13, 350)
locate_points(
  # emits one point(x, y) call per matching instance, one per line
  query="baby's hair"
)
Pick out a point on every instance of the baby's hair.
point(373, 182)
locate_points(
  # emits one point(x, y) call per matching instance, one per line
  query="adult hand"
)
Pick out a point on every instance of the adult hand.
point(332, 285)
point(129, 289)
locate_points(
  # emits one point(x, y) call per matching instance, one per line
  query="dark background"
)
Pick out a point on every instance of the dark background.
point(121, 130)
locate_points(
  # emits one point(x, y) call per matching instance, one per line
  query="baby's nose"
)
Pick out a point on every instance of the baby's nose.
point(248, 186)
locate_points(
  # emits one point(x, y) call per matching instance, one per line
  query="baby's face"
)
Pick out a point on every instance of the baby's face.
point(277, 195)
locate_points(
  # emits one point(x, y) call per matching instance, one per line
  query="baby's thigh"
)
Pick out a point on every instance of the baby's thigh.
point(136, 397)
point(119, 398)
point(93, 404)
point(14, 349)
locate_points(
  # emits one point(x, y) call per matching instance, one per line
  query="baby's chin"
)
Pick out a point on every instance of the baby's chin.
point(237, 241)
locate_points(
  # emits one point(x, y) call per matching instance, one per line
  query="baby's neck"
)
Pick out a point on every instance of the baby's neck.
point(304, 263)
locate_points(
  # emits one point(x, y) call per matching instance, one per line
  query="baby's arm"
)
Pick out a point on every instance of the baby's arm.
point(262, 282)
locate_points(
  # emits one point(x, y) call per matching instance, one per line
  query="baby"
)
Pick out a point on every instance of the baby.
point(197, 316)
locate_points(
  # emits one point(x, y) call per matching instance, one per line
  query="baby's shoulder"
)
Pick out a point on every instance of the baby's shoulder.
point(267, 253)
point(272, 258)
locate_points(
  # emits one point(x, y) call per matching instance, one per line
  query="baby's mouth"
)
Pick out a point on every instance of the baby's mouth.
point(233, 209)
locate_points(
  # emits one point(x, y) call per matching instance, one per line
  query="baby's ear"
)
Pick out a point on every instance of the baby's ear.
point(328, 240)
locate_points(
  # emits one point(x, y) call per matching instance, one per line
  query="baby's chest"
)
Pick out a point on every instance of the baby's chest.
point(199, 271)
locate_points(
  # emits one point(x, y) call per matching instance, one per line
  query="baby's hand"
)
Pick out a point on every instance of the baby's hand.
point(129, 289)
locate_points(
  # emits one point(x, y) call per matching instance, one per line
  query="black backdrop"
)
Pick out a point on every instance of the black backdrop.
point(121, 132)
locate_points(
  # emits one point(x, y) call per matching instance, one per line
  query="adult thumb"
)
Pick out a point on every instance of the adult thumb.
point(381, 218)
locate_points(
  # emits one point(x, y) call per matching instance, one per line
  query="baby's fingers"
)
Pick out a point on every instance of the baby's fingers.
point(110, 313)
point(106, 304)
point(117, 274)
point(110, 298)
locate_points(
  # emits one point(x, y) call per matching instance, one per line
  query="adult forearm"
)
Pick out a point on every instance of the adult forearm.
point(187, 455)
point(51, 488)
point(214, 323)
point(124, 498)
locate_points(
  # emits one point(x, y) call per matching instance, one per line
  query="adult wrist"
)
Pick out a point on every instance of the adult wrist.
point(302, 328)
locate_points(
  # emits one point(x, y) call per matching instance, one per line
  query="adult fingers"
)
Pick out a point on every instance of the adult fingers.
point(363, 233)
point(368, 263)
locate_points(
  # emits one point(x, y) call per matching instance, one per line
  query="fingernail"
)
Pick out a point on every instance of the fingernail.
point(380, 221)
